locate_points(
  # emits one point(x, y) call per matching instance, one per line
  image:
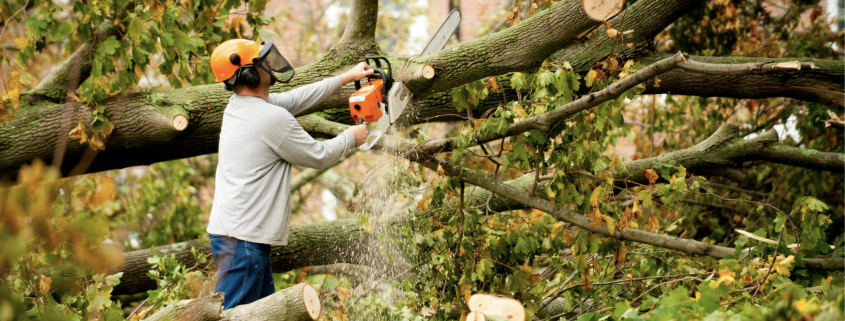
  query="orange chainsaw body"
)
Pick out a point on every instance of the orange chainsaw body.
point(364, 103)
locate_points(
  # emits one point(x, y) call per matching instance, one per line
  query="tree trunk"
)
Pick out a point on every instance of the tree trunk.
point(341, 241)
point(297, 303)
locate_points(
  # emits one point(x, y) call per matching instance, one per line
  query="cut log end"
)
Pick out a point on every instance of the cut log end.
point(312, 301)
point(476, 316)
point(496, 305)
point(602, 10)
point(428, 72)
point(180, 122)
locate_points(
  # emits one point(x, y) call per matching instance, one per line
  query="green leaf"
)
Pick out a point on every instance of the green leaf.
point(815, 205)
point(113, 279)
point(136, 28)
point(108, 46)
point(522, 246)
point(644, 196)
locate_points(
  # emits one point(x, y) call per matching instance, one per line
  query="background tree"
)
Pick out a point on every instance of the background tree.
point(657, 159)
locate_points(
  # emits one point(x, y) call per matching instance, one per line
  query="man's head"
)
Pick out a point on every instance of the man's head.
point(244, 65)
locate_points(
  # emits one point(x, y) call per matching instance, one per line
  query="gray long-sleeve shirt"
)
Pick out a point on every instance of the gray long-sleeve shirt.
point(259, 141)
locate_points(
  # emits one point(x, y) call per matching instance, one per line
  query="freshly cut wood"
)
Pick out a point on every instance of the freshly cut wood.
point(179, 122)
point(297, 303)
point(428, 71)
point(202, 309)
point(478, 316)
point(602, 10)
point(490, 305)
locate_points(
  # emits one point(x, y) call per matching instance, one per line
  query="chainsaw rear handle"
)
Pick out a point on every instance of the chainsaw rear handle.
point(379, 72)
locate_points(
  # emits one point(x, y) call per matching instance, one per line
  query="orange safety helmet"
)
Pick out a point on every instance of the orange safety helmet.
point(224, 66)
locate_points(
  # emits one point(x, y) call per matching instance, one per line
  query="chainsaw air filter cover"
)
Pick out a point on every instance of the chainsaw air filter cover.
point(364, 103)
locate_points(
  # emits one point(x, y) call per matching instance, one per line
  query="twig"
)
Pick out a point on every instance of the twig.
point(662, 284)
point(774, 257)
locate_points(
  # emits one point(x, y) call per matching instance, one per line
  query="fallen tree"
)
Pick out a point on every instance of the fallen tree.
point(297, 303)
point(145, 133)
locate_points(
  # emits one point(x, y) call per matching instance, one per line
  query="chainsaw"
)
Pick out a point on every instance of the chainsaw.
point(381, 101)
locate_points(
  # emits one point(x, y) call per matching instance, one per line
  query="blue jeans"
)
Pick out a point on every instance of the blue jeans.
point(244, 274)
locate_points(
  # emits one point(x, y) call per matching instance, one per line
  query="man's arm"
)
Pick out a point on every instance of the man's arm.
point(301, 99)
point(299, 148)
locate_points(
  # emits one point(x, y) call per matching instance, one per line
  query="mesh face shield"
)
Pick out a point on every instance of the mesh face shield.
point(272, 61)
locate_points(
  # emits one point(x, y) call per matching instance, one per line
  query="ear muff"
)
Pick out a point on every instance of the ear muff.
point(249, 77)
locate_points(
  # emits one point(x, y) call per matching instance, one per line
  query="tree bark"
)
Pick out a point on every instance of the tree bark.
point(202, 309)
point(297, 303)
point(143, 132)
point(823, 84)
point(341, 241)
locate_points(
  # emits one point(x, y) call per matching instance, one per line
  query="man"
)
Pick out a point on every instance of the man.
point(259, 140)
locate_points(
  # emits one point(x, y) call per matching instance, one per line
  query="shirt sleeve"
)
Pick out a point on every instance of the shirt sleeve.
point(301, 99)
point(299, 148)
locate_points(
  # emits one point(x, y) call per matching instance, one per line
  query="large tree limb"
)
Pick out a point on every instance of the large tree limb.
point(297, 303)
point(520, 48)
point(546, 121)
point(341, 241)
point(755, 78)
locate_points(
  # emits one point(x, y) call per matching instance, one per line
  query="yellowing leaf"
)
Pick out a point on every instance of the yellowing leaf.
point(44, 284)
point(635, 210)
point(596, 215)
point(725, 276)
point(651, 175)
point(806, 307)
point(138, 71)
point(618, 165)
point(20, 42)
point(494, 86)
point(440, 170)
point(612, 33)
point(13, 91)
point(619, 255)
point(96, 143)
point(512, 16)
point(596, 196)
point(79, 133)
point(591, 76)
point(105, 192)
point(157, 8)
point(782, 264)
point(550, 192)
point(611, 224)
point(653, 223)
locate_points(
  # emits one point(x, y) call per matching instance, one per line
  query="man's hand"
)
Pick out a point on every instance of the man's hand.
point(360, 132)
point(360, 70)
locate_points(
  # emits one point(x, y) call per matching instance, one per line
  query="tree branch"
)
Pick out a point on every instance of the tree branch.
point(73, 71)
point(581, 221)
point(361, 26)
point(754, 78)
point(520, 48)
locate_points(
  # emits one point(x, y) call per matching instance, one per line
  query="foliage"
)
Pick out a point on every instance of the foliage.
point(455, 247)
point(53, 259)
